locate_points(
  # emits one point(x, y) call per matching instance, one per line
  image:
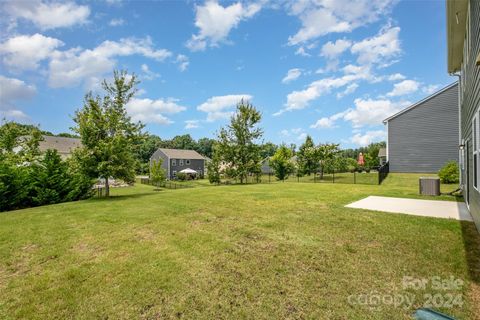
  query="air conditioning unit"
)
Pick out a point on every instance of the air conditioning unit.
point(429, 186)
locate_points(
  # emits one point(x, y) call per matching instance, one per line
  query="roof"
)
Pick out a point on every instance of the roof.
point(382, 152)
point(182, 154)
point(456, 28)
point(420, 102)
point(63, 145)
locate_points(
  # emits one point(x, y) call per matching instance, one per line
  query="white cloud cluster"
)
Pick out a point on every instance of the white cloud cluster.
point(332, 50)
point(147, 73)
point(220, 107)
point(292, 75)
point(215, 22)
point(367, 138)
point(368, 112)
point(25, 52)
point(152, 111)
point(12, 90)
point(183, 62)
point(192, 124)
point(403, 88)
point(319, 18)
point(48, 15)
point(379, 49)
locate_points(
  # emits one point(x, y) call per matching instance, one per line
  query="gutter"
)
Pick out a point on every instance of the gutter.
point(461, 157)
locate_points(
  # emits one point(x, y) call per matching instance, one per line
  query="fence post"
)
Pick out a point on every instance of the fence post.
point(333, 175)
point(355, 177)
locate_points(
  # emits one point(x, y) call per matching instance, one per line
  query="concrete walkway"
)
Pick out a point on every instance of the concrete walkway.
point(425, 208)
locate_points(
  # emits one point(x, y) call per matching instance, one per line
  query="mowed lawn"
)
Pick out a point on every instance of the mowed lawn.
point(259, 251)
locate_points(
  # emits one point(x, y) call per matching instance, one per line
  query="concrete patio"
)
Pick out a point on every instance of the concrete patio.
point(425, 208)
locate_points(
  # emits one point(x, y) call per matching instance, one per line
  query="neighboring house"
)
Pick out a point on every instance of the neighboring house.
point(64, 146)
point(382, 156)
point(175, 160)
point(266, 169)
point(463, 37)
point(424, 136)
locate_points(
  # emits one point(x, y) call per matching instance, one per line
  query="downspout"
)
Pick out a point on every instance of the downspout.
point(461, 157)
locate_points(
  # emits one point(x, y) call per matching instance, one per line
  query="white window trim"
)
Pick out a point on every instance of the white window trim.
point(187, 162)
point(180, 162)
point(174, 162)
point(475, 150)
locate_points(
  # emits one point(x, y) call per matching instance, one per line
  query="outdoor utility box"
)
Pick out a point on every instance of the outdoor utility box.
point(429, 186)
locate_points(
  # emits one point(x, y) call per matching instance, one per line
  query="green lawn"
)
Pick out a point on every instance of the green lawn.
point(279, 250)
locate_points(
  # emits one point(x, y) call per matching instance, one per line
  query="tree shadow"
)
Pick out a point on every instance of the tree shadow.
point(120, 197)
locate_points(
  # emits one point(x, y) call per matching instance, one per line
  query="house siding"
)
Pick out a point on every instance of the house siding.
point(425, 137)
point(195, 164)
point(470, 102)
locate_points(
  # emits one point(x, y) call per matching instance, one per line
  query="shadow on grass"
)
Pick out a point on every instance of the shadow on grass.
point(119, 197)
point(471, 241)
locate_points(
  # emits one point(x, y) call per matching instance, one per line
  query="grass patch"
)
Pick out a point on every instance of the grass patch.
point(280, 250)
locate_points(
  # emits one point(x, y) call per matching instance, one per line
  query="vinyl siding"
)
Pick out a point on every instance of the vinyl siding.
point(195, 164)
point(470, 100)
point(425, 137)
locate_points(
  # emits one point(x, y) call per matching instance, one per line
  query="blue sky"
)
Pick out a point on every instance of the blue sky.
point(331, 69)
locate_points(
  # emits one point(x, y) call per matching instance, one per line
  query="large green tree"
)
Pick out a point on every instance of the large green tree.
point(108, 135)
point(238, 142)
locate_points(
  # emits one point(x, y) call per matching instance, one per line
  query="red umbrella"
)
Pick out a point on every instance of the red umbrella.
point(360, 161)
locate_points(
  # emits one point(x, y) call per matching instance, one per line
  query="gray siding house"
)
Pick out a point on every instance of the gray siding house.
point(463, 37)
point(424, 136)
point(175, 160)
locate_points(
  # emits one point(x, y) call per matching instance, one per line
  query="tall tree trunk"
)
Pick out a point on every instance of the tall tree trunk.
point(107, 188)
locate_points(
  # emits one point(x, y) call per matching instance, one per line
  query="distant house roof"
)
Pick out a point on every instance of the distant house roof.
point(420, 102)
point(382, 152)
point(61, 144)
point(182, 154)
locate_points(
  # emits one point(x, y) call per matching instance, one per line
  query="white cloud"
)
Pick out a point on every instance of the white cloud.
point(367, 112)
point(71, 67)
point(430, 89)
point(302, 52)
point(192, 124)
point(220, 107)
point(380, 49)
point(372, 112)
point(148, 74)
point(403, 88)
point(295, 134)
point(298, 100)
point(215, 22)
point(12, 90)
point(292, 74)
point(48, 14)
point(183, 62)
point(349, 90)
point(332, 50)
point(24, 52)
point(116, 22)
point(368, 137)
point(152, 111)
point(396, 77)
point(319, 18)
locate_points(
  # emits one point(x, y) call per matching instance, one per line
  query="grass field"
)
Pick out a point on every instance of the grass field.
point(280, 250)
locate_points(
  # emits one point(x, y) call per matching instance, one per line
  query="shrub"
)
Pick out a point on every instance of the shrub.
point(449, 172)
point(181, 176)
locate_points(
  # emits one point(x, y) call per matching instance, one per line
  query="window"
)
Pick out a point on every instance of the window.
point(174, 162)
point(174, 173)
point(180, 162)
point(187, 161)
point(475, 149)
